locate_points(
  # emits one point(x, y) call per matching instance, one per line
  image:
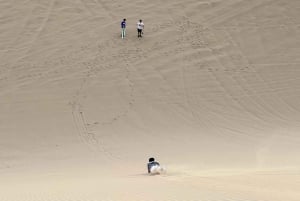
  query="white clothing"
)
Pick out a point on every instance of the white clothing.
point(140, 25)
point(157, 169)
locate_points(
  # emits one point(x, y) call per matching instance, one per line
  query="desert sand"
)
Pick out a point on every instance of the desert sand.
point(212, 91)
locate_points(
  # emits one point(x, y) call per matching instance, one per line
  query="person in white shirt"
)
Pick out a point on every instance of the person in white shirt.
point(140, 28)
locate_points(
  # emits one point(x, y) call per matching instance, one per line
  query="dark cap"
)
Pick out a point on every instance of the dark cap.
point(151, 159)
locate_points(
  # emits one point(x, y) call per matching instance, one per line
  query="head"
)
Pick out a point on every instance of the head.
point(140, 20)
point(151, 160)
point(124, 19)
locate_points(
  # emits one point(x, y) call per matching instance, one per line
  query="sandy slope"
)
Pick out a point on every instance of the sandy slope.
point(211, 90)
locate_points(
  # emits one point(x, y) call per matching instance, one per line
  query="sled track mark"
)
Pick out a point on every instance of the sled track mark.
point(87, 136)
point(32, 39)
point(126, 65)
point(94, 66)
point(259, 77)
point(43, 24)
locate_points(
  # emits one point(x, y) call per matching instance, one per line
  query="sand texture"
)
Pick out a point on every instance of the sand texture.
point(211, 90)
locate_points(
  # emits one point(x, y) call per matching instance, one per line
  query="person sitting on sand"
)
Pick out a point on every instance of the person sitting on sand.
point(152, 163)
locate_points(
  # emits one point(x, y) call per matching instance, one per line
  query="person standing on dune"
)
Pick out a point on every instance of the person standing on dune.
point(123, 28)
point(140, 28)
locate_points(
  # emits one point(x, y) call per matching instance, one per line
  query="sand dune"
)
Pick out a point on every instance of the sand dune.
point(211, 90)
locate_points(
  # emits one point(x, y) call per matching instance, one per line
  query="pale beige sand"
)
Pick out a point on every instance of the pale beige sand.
point(212, 91)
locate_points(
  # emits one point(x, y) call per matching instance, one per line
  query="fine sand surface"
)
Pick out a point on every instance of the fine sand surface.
point(212, 91)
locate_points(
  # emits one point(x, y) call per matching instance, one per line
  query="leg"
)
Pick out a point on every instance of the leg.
point(123, 33)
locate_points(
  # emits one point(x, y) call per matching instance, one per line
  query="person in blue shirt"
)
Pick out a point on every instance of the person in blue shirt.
point(152, 163)
point(123, 28)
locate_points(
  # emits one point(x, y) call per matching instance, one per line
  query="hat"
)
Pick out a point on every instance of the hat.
point(151, 159)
